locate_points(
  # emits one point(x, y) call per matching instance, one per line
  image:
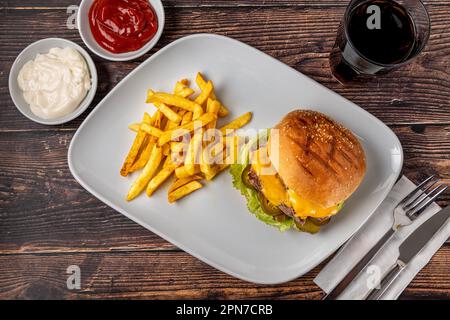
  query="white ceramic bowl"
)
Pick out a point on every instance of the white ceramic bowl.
point(29, 53)
point(86, 34)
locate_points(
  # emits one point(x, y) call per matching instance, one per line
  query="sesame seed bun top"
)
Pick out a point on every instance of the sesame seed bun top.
point(317, 158)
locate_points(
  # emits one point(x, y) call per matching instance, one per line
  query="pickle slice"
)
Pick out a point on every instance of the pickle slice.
point(281, 217)
point(245, 177)
point(268, 207)
point(307, 226)
point(320, 222)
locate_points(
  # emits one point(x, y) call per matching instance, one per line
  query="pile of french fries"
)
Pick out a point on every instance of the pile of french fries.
point(181, 139)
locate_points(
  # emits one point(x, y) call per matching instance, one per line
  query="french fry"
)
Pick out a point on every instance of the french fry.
point(231, 157)
point(227, 149)
point(205, 94)
point(206, 168)
point(186, 118)
point(193, 152)
point(169, 113)
point(151, 130)
point(151, 140)
point(181, 113)
point(236, 123)
point(147, 118)
point(157, 119)
point(180, 85)
point(201, 83)
point(143, 156)
point(178, 147)
point(184, 191)
point(173, 134)
point(157, 180)
point(178, 115)
point(163, 108)
point(197, 113)
point(184, 82)
point(174, 158)
point(182, 90)
point(173, 124)
point(181, 182)
point(175, 120)
point(200, 80)
point(212, 106)
point(167, 161)
point(231, 145)
point(150, 93)
point(149, 170)
point(134, 150)
point(211, 153)
point(181, 172)
point(186, 92)
point(166, 149)
point(134, 127)
point(218, 169)
point(173, 100)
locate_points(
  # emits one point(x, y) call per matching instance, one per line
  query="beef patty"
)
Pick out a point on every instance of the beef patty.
point(256, 183)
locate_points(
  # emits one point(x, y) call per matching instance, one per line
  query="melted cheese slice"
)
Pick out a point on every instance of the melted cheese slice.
point(275, 191)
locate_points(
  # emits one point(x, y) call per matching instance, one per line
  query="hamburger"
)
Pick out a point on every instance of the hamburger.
point(299, 175)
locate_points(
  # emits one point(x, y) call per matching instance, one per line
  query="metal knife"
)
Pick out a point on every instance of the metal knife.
point(409, 248)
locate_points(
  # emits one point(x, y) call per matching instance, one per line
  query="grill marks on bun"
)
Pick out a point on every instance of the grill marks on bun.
point(318, 159)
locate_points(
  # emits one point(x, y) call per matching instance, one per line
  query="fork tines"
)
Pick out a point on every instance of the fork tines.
point(418, 200)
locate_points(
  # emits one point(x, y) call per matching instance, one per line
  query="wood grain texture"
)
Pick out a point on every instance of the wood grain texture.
point(163, 275)
point(135, 275)
point(50, 4)
point(299, 36)
point(172, 275)
point(48, 221)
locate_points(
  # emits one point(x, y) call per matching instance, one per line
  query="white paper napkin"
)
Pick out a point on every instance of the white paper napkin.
point(367, 237)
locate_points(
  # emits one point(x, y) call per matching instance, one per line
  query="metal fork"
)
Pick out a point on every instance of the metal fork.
point(408, 210)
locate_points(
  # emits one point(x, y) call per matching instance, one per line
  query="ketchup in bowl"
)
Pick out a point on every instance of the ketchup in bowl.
point(121, 26)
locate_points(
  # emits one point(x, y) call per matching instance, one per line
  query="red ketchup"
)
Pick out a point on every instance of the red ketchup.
point(122, 25)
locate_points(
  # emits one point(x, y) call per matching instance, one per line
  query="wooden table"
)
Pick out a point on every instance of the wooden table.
point(48, 221)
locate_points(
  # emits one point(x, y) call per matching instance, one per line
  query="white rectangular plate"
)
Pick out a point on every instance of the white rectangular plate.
point(213, 224)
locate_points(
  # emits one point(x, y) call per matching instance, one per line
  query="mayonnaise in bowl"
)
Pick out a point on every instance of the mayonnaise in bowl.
point(55, 83)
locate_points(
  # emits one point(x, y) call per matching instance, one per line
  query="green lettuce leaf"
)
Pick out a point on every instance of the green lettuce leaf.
point(250, 194)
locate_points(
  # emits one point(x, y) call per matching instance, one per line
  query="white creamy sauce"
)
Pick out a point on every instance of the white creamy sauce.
point(55, 83)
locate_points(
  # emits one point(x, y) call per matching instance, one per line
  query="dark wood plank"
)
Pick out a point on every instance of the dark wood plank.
point(155, 275)
point(49, 4)
point(298, 36)
point(433, 281)
point(170, 275)
point(43, 209)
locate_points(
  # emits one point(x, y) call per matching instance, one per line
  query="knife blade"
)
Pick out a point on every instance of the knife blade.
point(409, 248)
point(412, 245)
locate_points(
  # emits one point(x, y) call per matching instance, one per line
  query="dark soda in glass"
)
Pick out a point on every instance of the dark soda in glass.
point(377, 36)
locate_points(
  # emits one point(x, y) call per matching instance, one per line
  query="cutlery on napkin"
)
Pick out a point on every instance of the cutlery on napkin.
point(367, 236)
